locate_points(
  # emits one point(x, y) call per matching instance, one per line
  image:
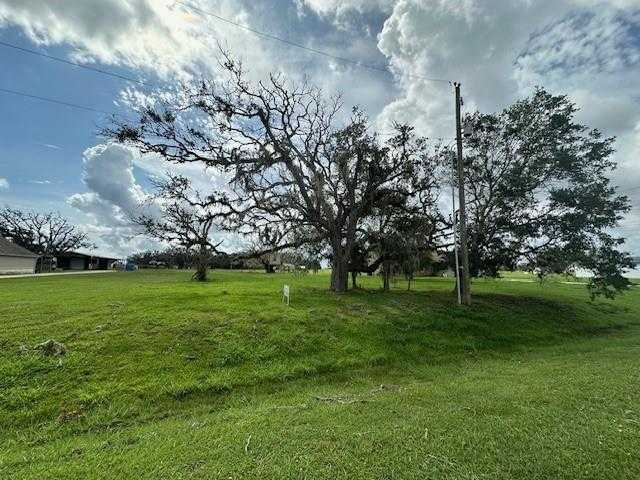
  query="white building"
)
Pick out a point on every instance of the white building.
point(15, 259)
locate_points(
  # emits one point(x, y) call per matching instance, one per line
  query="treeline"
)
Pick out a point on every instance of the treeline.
point(182, 258)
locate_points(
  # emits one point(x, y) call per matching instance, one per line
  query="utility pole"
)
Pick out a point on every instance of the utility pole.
point(465, 281)
point(454, 218)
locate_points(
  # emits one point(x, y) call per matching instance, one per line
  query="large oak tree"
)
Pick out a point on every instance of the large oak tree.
point(539, 193)
point(296, 163)
point(47, 234)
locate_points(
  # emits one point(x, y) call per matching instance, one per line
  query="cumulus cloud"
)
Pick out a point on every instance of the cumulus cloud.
point(174, 42)
point(501, 50)
point(119, 243)
point(469, 41)
point(4, 183)
point(107, 171)
point(97, 29)
point(162, 38)
point(113, 197)
point(341, 7)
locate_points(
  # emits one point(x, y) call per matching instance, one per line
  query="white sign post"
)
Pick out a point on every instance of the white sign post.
point(285, 294)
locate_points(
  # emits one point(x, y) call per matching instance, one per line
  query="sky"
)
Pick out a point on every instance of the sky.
point(51, 157)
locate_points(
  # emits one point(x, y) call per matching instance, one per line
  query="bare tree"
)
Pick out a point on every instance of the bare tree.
point(186, 218)
point(291, 165)
point(47, 234)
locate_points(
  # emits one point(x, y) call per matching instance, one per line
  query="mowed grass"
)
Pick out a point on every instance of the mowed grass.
point(165, 378)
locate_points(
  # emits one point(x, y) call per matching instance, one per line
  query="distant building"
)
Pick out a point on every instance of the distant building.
point(83, 261)
point(16, 259)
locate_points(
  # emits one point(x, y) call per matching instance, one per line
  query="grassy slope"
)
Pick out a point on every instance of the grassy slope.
point(169, 379)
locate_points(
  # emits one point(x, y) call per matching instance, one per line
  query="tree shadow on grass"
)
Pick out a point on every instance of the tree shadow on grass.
point(384, 324)
point(428, 326)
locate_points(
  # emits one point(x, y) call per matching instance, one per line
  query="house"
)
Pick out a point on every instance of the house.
point(16, 259)
point(83, 261)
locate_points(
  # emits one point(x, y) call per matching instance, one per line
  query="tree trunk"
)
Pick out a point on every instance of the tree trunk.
point(339, 271)
point(201, 272)
point(202, 263)
point(354, 274)
point(387, 271)
point(268, 268)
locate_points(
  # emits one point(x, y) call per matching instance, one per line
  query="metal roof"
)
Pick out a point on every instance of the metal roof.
point(10, 249)
point(82, 255)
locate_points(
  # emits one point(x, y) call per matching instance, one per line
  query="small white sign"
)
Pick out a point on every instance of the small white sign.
point(285, 294)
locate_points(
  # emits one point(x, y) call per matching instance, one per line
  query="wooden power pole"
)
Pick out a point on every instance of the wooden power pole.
point(465, 281)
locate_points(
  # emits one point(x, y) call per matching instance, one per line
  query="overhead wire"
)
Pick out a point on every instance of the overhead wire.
point(291, 43)
point(55, 101)
point(146, 83)
point(72, 63)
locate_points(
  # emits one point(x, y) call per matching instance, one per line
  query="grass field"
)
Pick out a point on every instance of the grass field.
point(168, 379)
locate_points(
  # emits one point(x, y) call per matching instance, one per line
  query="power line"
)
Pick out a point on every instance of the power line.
point(299, 45)
point(83, 107)
point(75, 64)
point(55, 101)
point(140, 82)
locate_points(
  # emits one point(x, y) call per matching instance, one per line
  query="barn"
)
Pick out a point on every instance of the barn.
point(83, 261)
point(16, 259)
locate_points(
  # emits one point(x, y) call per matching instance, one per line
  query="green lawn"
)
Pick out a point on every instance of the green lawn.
point(165, 378)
